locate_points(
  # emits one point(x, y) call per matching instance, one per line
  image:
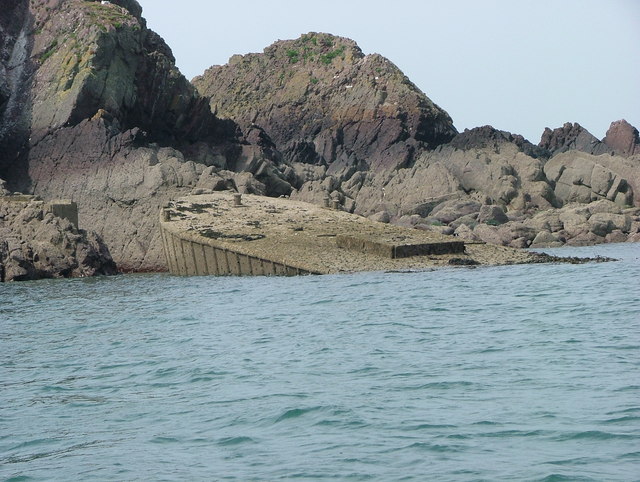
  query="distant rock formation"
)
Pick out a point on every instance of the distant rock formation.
point(621, 139)
point(322, 101)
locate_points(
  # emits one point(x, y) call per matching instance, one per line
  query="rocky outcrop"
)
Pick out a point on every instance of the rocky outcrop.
point(35, 244)
point(623, 138)
point(324, 102)
point(488, 137)
point(489, 185)
point(572, 136)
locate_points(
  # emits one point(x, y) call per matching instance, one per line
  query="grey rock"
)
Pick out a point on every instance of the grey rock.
point(580, 177)
point(35, 244)
point(381, 217)
point(492, 214)
point(449, 211)
point(602, 224)
point(545, 239)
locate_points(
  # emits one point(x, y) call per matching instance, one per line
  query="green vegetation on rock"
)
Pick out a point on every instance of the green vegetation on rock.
point(328, 58)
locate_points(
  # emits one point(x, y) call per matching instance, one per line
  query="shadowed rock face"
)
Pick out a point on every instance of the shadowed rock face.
point(83, 56)
point(488, 137)
point(621, 139)
point(322, 101)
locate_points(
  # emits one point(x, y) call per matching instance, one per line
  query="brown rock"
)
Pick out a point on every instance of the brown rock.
point(623, 138)
point(616, 236)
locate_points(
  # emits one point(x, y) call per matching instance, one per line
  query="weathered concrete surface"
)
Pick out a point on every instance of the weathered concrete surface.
point(207, 234)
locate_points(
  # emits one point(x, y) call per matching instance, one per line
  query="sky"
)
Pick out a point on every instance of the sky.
point(518, 65)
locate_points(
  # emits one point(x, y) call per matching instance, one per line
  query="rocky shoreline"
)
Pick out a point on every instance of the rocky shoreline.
point(36, 243)
point(93, 108)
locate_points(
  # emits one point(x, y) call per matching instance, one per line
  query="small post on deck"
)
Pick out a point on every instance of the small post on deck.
point(237, 199)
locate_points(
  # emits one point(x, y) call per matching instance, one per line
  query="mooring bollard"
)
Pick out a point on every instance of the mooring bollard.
point(237, 199)
point(336, 204)
point(327, 201)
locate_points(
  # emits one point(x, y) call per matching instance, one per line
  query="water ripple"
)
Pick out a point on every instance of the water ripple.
point(510, 373)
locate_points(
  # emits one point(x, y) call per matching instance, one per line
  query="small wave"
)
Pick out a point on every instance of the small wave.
point(594, 435)
point(562, 478)
point(429, 426)
point(429, 447)
point(486, 422)
point(514, 433)
point(164, 440)
point(446, 385)
point(631, 455)
point(15, 459)
point(295, 413)
point(226, 441)
point(574, 461)
point(627, 419)
point(628, 388)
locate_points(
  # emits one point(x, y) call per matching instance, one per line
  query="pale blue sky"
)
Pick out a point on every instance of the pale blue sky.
point(518, 65)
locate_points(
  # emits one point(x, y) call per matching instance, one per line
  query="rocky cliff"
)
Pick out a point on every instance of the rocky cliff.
point(93, 108)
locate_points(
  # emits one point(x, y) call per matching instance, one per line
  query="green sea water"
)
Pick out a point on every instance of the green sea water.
point(506, 373)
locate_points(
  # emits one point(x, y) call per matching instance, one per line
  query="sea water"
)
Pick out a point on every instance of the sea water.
point(494, 373)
